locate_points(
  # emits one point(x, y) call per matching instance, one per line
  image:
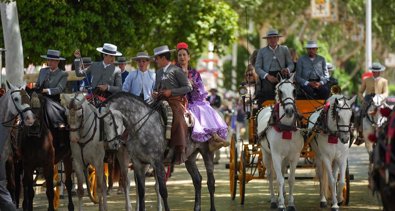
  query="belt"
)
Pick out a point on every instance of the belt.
point(315, 80)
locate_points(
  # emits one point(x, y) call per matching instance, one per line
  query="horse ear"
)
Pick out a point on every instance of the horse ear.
point(291, 78)
point(352, 100)
point(10, 86)
point(23, 86)
point(281, 77)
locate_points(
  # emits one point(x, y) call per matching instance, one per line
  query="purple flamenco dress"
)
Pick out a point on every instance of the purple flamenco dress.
point(207, 120)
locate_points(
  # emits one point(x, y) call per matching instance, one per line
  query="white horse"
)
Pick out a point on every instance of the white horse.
point(331, 145)
point(372, 119)
point(281, 141)
point(86, 146)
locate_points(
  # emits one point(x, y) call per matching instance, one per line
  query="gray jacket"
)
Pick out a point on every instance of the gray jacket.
point(266, 56)
point(101, 75)
point(54, 81)
point(174, 79)
point(310, 70)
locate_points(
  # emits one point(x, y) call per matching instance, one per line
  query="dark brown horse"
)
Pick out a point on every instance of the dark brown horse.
point(382, 175)
point(43, 146)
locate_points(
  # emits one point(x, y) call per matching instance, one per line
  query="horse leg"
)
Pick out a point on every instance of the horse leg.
point(208, 158)
point(277, 165)
point(161, 184)
point(48, 172)
point(28, 193)
point(101, 188)
point(291, 183)
point(123, 159)
point(79, 168)
point(10, 175)
point(342, 171)
point(267, 160)
point(139, 174)
point(332, 182)
point(18, 174)
point(193, 170)
point(68, 168)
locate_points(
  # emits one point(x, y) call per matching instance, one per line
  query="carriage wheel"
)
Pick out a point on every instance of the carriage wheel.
point(233, 167)
point(57, 186)
point(90, 177)
point(346, 189)
point(242, 176)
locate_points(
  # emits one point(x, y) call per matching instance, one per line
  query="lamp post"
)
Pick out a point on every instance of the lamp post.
point(1, 65)
point(368, 53)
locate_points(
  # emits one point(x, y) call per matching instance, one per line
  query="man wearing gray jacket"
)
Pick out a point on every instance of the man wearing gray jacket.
point(312, 74)
point(272, 61)
point(105, 80)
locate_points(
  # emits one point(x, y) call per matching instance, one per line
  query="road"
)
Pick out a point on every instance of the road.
point(181, 191)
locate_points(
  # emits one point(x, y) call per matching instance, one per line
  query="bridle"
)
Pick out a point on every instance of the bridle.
point(371, 116)
point(286, 101)
point(20, 112)
point(339, 127)
point(115, 126)
point(73, 107)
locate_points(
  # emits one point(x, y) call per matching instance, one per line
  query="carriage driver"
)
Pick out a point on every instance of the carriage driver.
point(370, 87)
point(105, 79)
point(272, 60)
point(172, 85)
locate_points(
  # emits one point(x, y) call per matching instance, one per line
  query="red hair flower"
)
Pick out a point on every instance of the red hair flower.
point(182, 45)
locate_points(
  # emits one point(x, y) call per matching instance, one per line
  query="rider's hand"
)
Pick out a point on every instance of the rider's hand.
point(285, 73)
point(272, 79)
point(44, 91)
point(103, 87)
point(166, 92)
point(312, 84)
point(154, 95)
point(77, 53)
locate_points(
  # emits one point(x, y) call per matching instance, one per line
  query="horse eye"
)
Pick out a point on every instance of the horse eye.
point(16, 99)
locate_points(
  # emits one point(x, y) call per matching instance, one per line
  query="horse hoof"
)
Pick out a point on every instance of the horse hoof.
point(71, 207)
point(273, 205)
point(334, 209)
point(281, 209)
point(291, 208)
point(323, 204)
point(340, 203)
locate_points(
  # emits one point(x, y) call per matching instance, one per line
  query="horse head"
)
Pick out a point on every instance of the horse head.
point(19, 104)
point(341, 113)
point(114, 127)
point(74, 113)
point(285, 96)
point(372, 112)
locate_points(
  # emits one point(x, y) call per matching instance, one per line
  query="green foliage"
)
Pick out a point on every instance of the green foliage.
point(132, 25)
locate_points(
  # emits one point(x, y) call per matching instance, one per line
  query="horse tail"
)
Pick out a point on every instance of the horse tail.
point(169, 120)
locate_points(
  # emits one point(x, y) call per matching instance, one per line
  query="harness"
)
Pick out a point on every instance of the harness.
point(20, 112)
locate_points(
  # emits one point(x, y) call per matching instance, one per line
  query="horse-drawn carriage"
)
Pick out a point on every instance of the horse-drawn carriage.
point(247, 157)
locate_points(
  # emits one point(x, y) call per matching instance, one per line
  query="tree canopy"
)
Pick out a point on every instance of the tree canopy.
point(131, 25)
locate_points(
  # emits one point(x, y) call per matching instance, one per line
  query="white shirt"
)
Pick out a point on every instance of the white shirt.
point(138, 82)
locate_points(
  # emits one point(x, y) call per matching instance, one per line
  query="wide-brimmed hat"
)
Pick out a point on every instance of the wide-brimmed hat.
point(161, 50)
point(311, 44)
point(272, 33)
point(86, 60)
point(330, 67)
point(141, 55)
point(121, 60)
point(377, 67)
point(109, 49)
point(213, 90)
point(52, 55)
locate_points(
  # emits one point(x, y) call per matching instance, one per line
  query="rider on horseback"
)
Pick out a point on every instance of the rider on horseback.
point(371, 86)
point(51, 82)
point(172, 85)
point(105, 80)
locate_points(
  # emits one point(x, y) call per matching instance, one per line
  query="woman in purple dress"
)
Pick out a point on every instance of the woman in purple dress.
point(209, 126)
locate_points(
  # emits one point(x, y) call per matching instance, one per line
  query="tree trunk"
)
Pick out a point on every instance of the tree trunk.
point(13, 43)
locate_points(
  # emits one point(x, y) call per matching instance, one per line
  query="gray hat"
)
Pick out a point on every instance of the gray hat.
point(330, 67)
point(311, 44)
point(52, 55)
point(86, 60)
point(109, 49)
point(272, 33)
point(377, 67)
point(141, 55)
point(161, 50)
point(121, 60)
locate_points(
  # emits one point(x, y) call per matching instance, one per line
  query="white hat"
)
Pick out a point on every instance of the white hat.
point(311, 44)
point(272, 33)
point(330, 67)
point(109, 49)
point(52, 55)
point(161, 50)
point(141, 55)
point(377, 67)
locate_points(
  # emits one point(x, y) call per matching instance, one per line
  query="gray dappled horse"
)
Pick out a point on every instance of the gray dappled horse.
point(13, 103)
point(146, 144)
